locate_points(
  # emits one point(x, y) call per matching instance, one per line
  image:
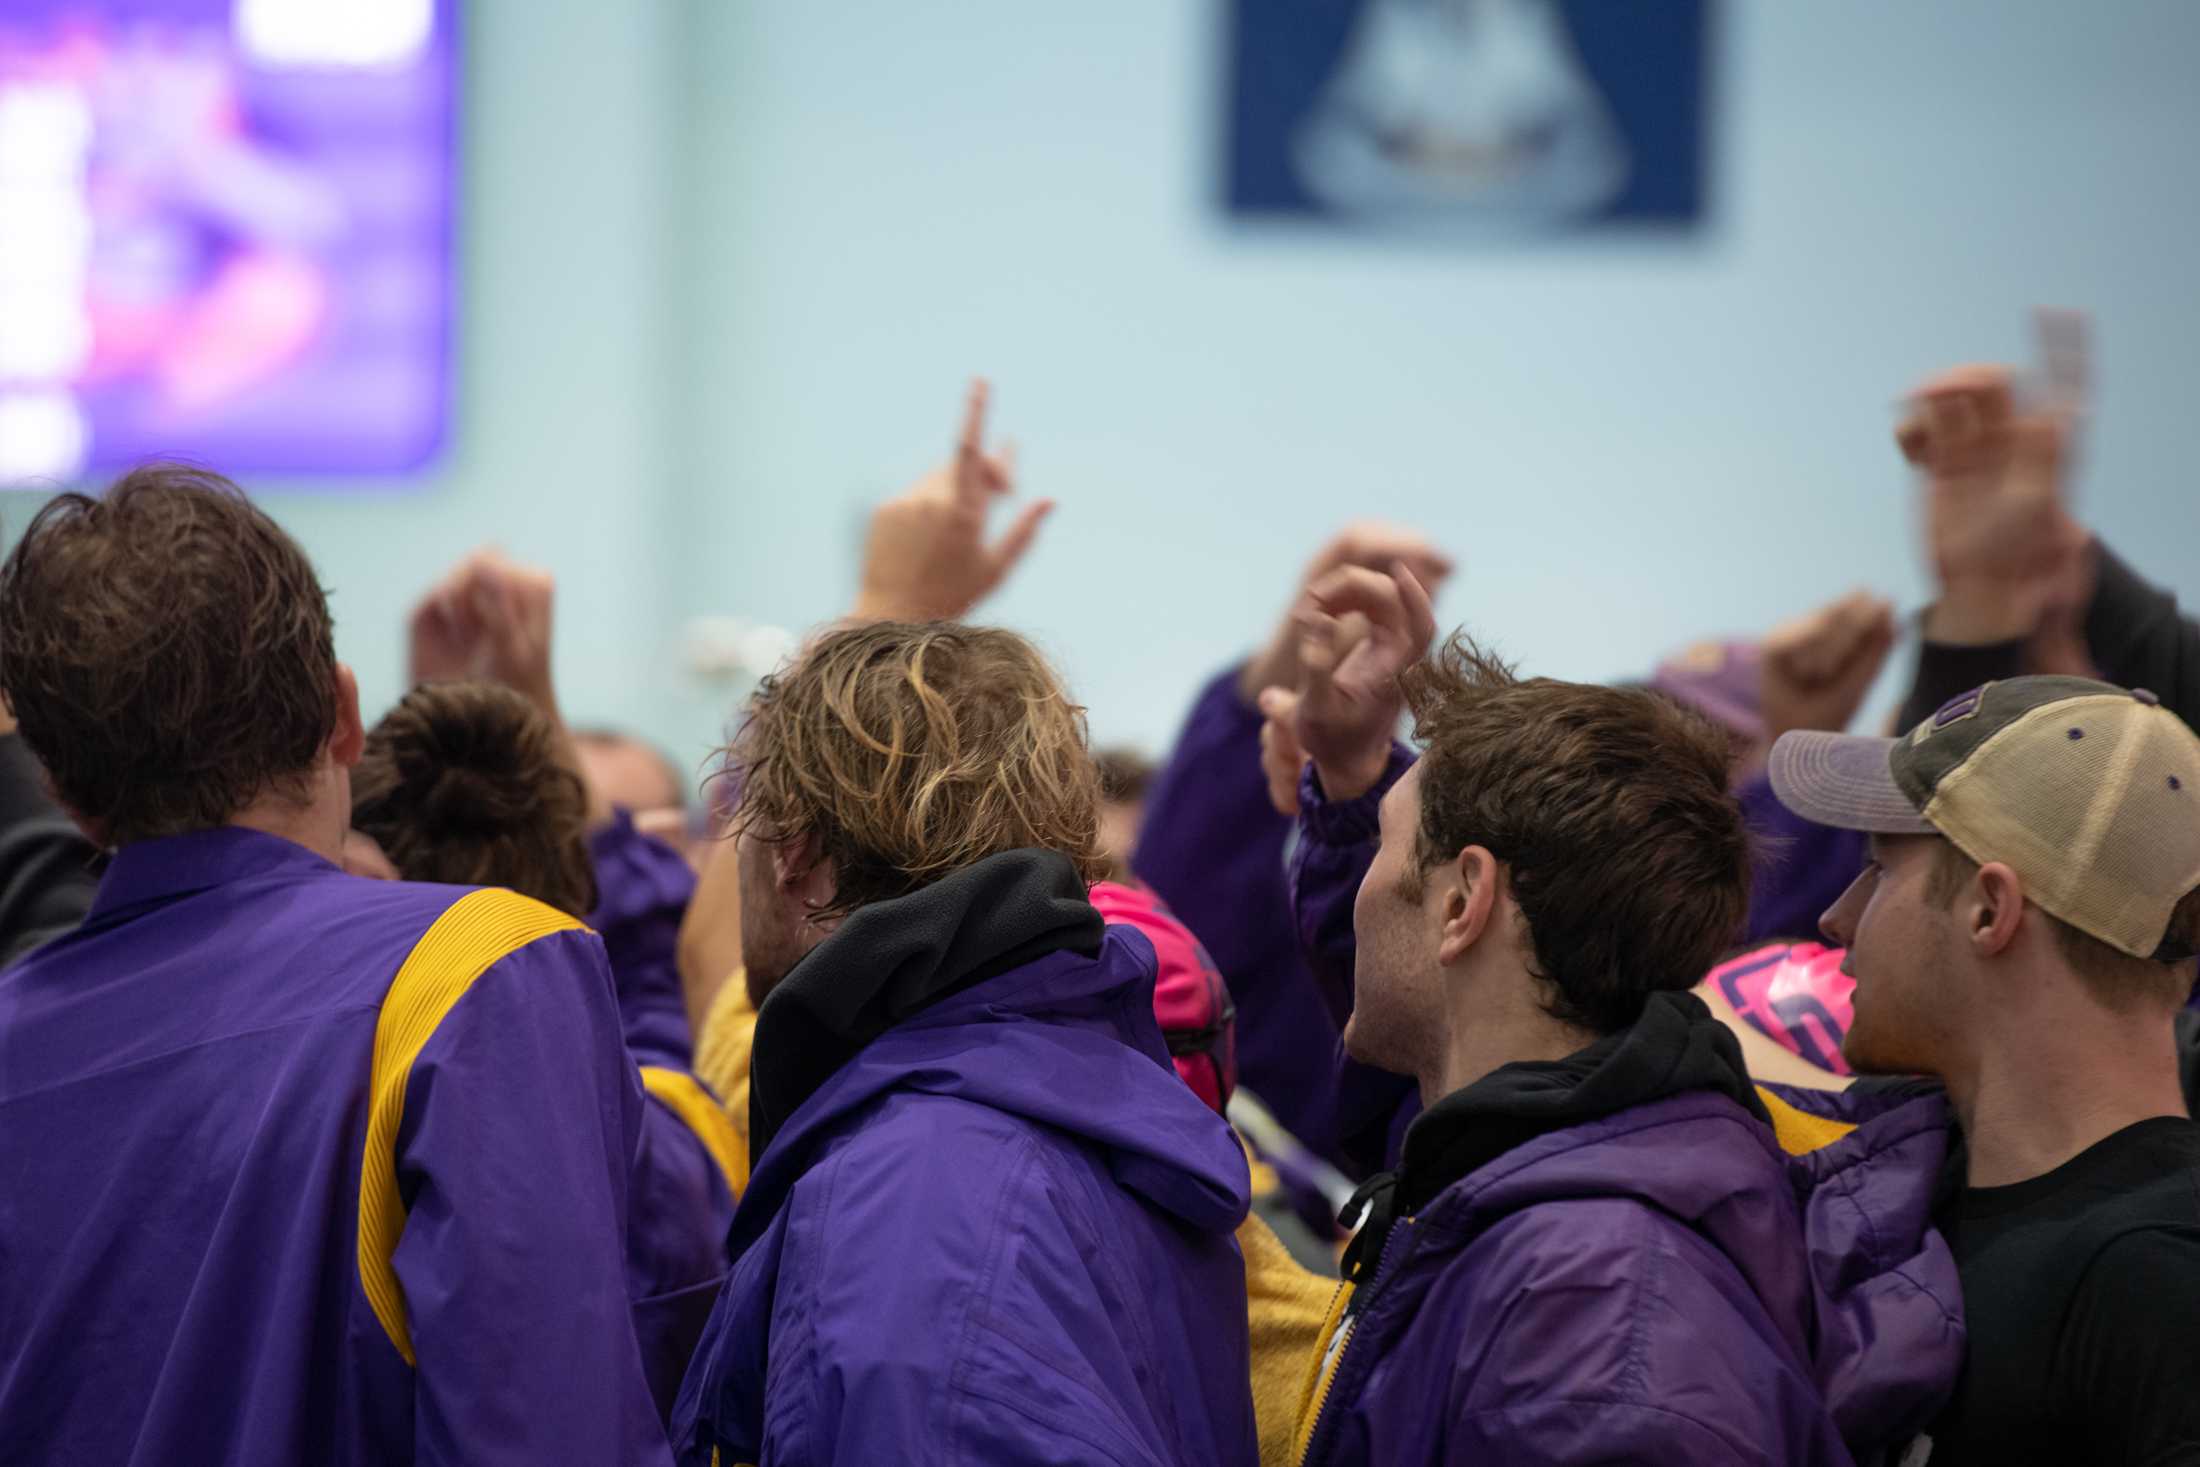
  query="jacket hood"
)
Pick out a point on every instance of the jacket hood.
point(893, 958)
point(1675, 1048)
point(986, 990)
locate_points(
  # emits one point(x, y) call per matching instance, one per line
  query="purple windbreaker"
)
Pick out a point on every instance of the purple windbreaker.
point(1213, 848)
point(1663, 1285)
point(306, 1168)
point(689, 1160)
point(1001, 1233)
point(1798, 867)
point(643, 889)
point(1336, 845)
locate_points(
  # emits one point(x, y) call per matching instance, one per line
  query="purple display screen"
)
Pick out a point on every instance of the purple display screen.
point(225, 234)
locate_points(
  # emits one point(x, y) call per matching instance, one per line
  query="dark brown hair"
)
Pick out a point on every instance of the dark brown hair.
point(1608, 808)
point(461, 782)
point(168, 653)
point(911, 750)
point(2117, 980)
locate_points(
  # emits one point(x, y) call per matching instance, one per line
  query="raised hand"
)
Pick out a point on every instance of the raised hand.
point(2004, 547)
point(1358, 630)
point(1370, 544)
point(926, 558)
point(1814, 671)
point(490, 618)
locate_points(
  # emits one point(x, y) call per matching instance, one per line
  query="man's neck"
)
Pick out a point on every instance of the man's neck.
point(1483, 1042)
point(2062, 1087)
point(318, 823)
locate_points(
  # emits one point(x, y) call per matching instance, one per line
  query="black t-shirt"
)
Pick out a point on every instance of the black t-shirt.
point(2081, 1290)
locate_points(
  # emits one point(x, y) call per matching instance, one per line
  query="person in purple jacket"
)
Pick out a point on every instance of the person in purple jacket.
point(471, 783)
point(986, 1221)
point(1604, 1243)
point(299, 1167)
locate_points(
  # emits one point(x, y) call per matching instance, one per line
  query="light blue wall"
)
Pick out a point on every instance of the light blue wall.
point(1629, 444)
point(728, 262)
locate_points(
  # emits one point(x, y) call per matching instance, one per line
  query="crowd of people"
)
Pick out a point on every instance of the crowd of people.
point(1422, 1062)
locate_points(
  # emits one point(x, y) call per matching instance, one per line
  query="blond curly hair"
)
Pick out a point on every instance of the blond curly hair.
point(908, 751)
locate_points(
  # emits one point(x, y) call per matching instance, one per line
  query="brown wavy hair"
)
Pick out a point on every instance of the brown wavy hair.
point(168, 653)
point(908, 751)
point(462, 782)
point(1609, 808)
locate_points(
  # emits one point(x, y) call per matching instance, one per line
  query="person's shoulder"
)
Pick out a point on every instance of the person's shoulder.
point(951, 1166)
point(1597, 1260)
point(1612, 1272)
point(1611, 1300)
point(1614, 1241)
point(2152, 1258)
point(924, 1149)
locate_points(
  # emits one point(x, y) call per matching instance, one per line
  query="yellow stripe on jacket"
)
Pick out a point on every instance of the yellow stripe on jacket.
point(700, 1111)
point(1798, 1131)
point(473, 935)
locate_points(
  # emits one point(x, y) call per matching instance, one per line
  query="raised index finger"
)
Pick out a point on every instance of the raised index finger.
point(970, 466)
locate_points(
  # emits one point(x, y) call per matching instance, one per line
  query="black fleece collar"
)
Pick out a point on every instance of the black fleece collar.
point(1675, 1047)
point(891, 959)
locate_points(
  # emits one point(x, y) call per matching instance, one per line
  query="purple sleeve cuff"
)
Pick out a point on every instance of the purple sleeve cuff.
point(643, 888)
point(1345, 822)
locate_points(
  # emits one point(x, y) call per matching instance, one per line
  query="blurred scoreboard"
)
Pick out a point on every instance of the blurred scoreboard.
point(225, 234)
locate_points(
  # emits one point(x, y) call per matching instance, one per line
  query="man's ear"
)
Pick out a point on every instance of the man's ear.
point(349, 740)
point(1470, 899)
point(1992, 909)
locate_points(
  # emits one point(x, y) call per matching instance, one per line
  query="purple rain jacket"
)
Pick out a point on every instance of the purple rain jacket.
point(689, 1161)
point(307, 1168)
point(1212, 847)
point(1635, 1256)
point(1798, 867)
point(987, 1222)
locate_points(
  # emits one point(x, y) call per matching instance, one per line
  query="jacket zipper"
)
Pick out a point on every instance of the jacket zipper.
point(1315, 1441)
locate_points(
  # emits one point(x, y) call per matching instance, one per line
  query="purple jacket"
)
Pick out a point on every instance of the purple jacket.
point(1213, 848)
point(1800, 868)
point(689, 1159)
point(1000, 1231)
point(1662, 1285)
point(1336, 845)
point(306, 1168)
point(643, 889)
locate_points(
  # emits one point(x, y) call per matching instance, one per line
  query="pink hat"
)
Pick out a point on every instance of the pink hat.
point(1189, 997)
